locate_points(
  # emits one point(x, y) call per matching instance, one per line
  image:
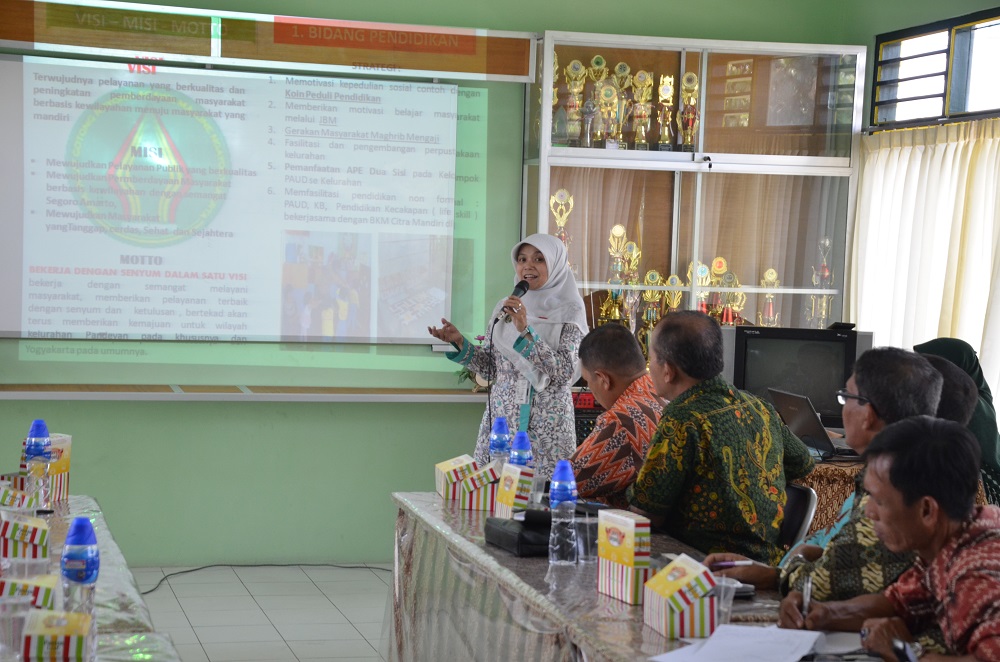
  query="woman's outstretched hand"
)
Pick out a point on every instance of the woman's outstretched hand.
point(447, 332)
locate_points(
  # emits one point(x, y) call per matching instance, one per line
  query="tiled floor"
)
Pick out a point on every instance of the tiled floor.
point(231, 614)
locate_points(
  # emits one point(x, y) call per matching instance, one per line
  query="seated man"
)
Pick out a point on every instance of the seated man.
point(715, 473)
point(608, 460)
point(888, 385)
point(922, 477)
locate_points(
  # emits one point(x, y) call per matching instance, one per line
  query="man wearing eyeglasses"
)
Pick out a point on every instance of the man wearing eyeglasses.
point(888, 385)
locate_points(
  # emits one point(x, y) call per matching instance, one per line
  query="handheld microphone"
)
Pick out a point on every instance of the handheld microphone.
point(519, 290)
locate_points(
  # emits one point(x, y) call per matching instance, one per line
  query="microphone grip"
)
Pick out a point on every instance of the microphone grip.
point(519, 290)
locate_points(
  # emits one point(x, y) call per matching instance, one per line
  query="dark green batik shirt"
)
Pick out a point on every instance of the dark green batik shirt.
point(716, 471)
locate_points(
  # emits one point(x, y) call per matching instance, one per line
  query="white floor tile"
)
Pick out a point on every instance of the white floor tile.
point(279, 617)
point(205, 575)
point(210, 590)
point(363, 614)
point(229, 617)
point(370, 631)
point(269, 602)
point(272, 574)
point(331, 574)
point(230, 603)
point(307, 650)
point(366, 586)
point(258, 650)
point(184, 635)
point(233, 634)
point(318, 631)
point(283, 588)
point(161, 601)
point(359, 600)
point(191, 652)
point(169, 619)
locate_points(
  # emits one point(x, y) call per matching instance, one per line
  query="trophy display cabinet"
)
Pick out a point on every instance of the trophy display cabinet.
point(696, 174)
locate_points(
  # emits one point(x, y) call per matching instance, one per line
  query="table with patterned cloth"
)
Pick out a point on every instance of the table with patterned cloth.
point(833, 483)
point(455, 597)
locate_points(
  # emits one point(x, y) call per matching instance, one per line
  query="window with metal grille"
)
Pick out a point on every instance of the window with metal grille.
point(940, 72)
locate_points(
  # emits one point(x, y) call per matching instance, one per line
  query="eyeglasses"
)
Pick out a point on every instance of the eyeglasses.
point(844, 395)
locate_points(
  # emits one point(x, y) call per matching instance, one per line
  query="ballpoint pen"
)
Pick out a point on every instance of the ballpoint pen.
point(722, 565)
point(807, 589)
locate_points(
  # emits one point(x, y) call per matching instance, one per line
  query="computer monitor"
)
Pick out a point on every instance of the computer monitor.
point(811, 362)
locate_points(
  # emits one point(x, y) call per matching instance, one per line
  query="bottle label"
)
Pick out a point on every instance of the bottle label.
point(81, 566)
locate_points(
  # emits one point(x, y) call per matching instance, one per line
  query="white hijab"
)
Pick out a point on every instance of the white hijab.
point(556, 303)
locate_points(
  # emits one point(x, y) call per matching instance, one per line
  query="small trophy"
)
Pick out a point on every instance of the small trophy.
point(821, 305)
point(630, 276)
point(688, 118)
point(589, 113)
point(651, 313)
point(598, 69)
point(623, 82)
point(576, 79)
point(560, 121)
point(672, 298)
point(666, 118)
point(642, 108)
point(732, 302)
point(561, 204)
point(607, 101)
point(701, 276)
point(770, 317)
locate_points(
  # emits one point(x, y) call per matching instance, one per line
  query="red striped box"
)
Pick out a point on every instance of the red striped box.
point(23, 528)
point(677, 600)
point(620, 581)
point(623, 537)
point(41, 588)
point(14, 549)
point(480, 499)
point(448, 475)
point(481, 478)
point(14, 498)
point(56, 635)
point(514, 491)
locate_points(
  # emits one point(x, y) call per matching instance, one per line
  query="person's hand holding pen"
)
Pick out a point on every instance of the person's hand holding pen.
point(743, 569)
point(798, 611)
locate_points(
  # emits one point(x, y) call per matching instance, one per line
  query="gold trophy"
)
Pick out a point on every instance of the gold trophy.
point(688, 118)
point(651, 312)
point(732, 302)
point(642, 108)
point(770, 317)
point(821, 305)
point(701, 276)
point(611, 309)
point(576, 80)
point(623, 82)
point(561, 204)
point(630, 276)
point(672, 298)
point(666, 117)
point(607, 102)
point(598, 72)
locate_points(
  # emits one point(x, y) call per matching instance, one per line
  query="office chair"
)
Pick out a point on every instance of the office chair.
point(799, 510)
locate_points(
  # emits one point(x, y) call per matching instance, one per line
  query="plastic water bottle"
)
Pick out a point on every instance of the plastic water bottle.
point(520, 450)
point(500, 441)
point(37, 456)
point(562, 504)
point(80, 565)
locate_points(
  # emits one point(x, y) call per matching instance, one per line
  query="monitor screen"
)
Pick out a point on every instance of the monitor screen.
point(811, 362)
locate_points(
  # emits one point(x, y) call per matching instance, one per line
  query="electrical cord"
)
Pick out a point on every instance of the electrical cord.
point(259, 565)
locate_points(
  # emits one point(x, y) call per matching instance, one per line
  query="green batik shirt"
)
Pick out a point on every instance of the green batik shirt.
point(716, 471)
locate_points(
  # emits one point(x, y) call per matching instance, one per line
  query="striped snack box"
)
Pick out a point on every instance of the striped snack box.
point(448, 475)
point(56, 635)
point(514, 490)
point(23, 528)
point(677, 600)
point(15, 549)
point(62, 445)
point(479, 489)
point(11, 497)
point(41, 588)
point(623, 555)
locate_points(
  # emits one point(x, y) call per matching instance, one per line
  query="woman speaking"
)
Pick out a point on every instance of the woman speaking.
point(530, 352)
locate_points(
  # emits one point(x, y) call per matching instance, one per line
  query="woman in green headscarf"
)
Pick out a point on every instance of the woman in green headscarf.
point(984, 421)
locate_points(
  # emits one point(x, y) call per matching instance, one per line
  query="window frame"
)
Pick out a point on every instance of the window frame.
point(949, 26)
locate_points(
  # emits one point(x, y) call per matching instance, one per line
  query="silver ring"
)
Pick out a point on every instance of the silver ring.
point(518, 309)
point(864, 633)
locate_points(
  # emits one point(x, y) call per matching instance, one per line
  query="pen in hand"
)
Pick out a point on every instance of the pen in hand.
point(807, 589)
point(722, 565)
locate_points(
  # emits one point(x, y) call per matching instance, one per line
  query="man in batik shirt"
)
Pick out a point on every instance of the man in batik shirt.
point(922, 478)
point(607, 461)
point(715, 473)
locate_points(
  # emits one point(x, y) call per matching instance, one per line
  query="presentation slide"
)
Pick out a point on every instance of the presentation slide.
point(187, 204)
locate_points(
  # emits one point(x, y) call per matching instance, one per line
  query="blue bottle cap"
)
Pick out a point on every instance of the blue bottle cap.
point(500, 425)
point(563, 472)
point(38, 429)
point(81, 532)
point(521, 442)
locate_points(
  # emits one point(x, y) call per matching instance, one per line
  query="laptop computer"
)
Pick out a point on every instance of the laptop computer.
point(800, 416)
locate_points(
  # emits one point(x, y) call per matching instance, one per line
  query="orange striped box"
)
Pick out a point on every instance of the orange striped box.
point(448, 475)
point(23, 528)
point(56, 635)
point(14, 498)
point(678, 602)
point(620, 581)
point(480, 499)
point(14, 549)
point(514, 491)
point(41, 588)
point(623, 537)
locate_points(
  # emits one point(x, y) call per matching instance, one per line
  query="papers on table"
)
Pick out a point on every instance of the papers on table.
point(747, 644)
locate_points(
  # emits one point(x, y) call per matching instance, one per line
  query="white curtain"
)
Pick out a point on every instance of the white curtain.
point(925, 255)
